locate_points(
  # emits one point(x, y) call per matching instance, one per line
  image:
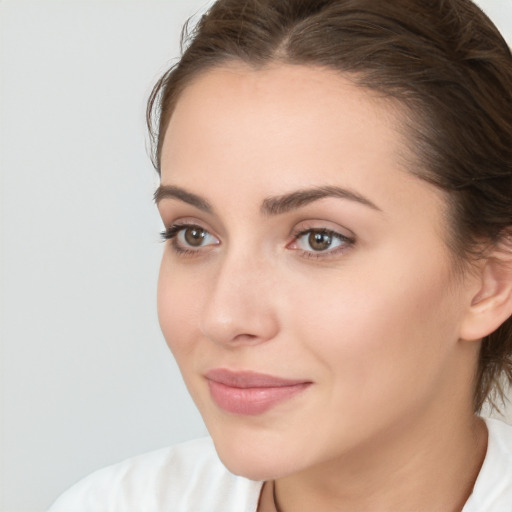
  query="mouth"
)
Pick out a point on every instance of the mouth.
point(250, 393)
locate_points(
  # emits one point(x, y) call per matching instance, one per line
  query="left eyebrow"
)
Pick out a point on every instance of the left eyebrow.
point(295, 200)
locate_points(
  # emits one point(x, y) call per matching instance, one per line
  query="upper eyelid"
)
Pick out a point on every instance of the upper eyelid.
point(180, 226)
point(187, 222)
point(305, 227)
point(301, 232)
point(323, 225)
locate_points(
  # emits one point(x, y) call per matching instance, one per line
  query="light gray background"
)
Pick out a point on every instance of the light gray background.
point(86, 378)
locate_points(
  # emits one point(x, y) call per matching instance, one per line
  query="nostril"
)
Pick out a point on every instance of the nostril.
point(245, 337)
point(240, 329)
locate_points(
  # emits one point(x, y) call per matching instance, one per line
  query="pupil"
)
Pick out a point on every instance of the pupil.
point(319, 241)
point(194, 236)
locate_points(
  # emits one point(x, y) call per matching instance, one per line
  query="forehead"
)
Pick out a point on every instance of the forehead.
point(281, 103)
point(266, 131)
point(284, 94)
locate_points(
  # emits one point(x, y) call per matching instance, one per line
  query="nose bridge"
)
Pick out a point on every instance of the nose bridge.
point(240, 307)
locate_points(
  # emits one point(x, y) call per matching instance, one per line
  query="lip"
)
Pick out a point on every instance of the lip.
point(251, 393)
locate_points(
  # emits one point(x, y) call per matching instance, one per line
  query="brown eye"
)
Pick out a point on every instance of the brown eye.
point(189, 238)
point(194, 236)
point(319, 240)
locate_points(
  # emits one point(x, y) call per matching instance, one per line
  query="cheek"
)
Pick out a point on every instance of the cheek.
point(177, 308)
point(380, 331)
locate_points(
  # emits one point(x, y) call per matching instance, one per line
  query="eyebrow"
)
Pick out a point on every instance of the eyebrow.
point(271, 205)
point(295, 200)
point(172, 192)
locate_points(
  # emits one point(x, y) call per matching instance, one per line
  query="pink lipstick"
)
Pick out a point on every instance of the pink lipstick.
point(250, 393)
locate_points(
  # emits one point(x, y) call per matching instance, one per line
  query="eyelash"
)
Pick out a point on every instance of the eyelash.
point(346, 243)
point(171, 233)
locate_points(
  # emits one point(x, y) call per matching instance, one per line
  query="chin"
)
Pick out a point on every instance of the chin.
point(257, 457)
point(254, 467)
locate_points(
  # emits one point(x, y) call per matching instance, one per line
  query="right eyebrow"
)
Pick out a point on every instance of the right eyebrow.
point(173, 192)
point(295, 200)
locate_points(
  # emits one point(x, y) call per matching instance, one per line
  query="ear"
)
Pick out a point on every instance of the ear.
point(491, 305)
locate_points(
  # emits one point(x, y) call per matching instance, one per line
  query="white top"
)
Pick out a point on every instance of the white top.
point(189, 477)
point(493, 487)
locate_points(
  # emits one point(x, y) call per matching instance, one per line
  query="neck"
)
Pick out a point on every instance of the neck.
point(420, 466)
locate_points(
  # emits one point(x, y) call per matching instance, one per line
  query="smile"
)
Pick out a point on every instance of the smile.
point(249, 393)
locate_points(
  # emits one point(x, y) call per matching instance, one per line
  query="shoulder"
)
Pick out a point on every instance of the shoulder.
point(493, 488)
point(181, 478)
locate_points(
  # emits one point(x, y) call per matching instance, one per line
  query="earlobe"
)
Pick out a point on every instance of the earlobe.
point(492, 304)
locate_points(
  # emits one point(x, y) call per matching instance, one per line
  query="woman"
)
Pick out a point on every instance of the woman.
point(336, 184)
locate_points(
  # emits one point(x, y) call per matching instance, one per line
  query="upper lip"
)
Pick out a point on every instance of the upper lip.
point(249, 379)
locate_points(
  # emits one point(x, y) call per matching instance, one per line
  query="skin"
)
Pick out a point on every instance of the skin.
point(376, 323)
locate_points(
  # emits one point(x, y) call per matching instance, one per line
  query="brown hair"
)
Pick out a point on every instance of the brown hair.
point(443, 61)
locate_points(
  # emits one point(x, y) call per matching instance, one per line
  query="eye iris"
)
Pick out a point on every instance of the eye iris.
point(195, 236)
point(319, 241)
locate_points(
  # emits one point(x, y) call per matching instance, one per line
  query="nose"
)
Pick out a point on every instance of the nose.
point(240, 306)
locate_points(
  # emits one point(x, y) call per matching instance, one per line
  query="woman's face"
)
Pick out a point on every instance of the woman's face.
point(306, 290)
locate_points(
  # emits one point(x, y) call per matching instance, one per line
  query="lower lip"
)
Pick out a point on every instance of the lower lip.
point(252, 401)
